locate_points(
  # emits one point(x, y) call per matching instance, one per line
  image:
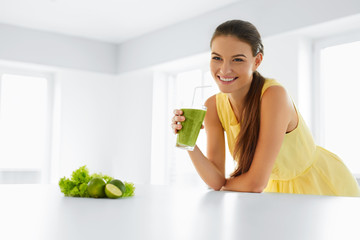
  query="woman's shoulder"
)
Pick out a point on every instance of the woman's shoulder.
point(269, 82)
point(211, 101)
point(275, 99)
point(273, 88)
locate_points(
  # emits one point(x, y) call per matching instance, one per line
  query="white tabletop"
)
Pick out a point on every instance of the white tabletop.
point(159, 212)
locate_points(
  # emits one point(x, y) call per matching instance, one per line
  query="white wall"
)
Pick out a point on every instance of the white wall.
point(134, 92)
point(89, 115)
point(32, 46)
point(281, 60)
point(105, 124)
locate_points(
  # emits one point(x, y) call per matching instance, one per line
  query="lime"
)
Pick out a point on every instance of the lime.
point(96, 187)
point(112, 191)
point(119, 184)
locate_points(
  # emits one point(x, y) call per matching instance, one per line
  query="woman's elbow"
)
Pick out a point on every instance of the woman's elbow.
point(217, 186)
point(257, 188)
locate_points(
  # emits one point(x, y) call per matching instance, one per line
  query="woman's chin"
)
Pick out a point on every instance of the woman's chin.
point(225, 88)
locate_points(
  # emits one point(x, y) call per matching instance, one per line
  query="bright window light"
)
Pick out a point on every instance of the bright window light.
point(23, 121)
point(340, 84)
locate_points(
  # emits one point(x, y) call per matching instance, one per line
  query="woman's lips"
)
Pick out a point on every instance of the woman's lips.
point(227, 80)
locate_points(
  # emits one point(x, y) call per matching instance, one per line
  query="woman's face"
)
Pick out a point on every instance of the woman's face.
point(232, 63)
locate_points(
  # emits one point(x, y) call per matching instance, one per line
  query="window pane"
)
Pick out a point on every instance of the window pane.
point(23, 118)
point(340, 85)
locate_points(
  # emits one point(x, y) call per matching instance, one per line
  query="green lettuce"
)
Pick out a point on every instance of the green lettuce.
point(76, 186)
point(129, 190)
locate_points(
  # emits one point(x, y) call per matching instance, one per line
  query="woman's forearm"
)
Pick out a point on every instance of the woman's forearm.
point(242, 183)
point(207, 170)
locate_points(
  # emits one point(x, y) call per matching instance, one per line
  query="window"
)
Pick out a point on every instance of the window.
point(339, 84)
point(25, 119)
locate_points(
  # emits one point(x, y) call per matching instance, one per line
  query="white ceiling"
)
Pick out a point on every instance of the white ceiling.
point(106, 20)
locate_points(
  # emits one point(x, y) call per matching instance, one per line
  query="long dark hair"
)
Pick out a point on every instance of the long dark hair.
point(247, 139)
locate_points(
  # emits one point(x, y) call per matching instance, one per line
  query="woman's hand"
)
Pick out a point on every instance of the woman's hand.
point(176, 120)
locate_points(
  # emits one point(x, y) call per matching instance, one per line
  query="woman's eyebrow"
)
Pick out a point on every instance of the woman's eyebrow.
point(237, 55)
point(215, 53)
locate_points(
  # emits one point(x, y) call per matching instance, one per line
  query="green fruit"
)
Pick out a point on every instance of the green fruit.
point(112, 191)
point(119, 184)
point(96, 187)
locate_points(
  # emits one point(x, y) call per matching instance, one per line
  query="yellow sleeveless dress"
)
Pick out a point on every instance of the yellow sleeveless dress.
point(301, 166)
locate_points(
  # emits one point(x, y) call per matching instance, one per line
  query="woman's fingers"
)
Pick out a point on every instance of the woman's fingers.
point(178, 112)
point(176, 127)
point(178, 119)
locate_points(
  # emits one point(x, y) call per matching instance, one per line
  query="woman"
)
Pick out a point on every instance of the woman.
point(267, 136)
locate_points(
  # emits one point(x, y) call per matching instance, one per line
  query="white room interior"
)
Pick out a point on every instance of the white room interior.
point(110, 101)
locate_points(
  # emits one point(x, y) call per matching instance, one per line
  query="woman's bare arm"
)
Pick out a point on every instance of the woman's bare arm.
point(211, 168)
point(276, 110)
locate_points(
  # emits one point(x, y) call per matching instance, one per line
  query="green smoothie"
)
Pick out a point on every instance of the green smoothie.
point(189, 132)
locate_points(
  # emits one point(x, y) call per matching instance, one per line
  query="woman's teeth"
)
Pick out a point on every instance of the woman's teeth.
point(227, 79)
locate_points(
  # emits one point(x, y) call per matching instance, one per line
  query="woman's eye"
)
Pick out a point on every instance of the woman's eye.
point(238, 60)
point(216, 58)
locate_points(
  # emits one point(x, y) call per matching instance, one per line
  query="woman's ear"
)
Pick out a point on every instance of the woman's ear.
point(258, 60)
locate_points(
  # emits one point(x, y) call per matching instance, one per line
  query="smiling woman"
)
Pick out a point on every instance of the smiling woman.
point(267, 137)
point(233, 73)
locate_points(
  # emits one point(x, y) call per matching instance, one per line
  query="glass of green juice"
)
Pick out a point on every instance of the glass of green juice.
point(188, 134)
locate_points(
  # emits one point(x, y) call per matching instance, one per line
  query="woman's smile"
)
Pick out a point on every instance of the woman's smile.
point(226, 80)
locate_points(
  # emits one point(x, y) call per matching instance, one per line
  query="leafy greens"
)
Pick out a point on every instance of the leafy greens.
point(76, 186)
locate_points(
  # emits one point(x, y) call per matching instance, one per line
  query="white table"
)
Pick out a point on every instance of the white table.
point(158, 212)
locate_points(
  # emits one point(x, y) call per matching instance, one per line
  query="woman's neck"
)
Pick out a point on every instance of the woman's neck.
point(237, 100)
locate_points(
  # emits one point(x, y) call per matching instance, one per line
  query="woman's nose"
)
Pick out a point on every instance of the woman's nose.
point(225, 68)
